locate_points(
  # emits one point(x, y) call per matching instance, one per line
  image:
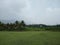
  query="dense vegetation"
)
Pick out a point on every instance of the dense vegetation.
point(17, 26)
point(21, 26)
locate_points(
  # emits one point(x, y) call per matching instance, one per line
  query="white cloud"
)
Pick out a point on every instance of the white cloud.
point(53, 15)
point(13, 8)
point(32, 11)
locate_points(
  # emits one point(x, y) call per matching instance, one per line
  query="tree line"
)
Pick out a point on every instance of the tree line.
point(21, 26)
point(16, 26)
point(43, 27)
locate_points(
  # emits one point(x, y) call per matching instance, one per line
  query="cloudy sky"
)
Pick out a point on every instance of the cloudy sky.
point(31, 11)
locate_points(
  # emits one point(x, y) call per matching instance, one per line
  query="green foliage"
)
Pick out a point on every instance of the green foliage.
point(43, 29)
point(21, 26)
point(17, 26)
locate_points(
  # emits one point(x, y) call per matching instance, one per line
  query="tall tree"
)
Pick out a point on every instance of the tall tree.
point(22, 25)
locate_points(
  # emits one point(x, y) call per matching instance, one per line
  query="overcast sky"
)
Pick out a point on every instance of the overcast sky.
point(31, 11)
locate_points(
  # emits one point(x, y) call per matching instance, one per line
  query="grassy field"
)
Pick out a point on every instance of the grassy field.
point(30, 38)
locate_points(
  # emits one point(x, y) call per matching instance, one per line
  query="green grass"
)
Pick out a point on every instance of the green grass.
point(30, 38)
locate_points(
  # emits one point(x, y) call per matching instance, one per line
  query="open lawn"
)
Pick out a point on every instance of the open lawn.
point(30, 38)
